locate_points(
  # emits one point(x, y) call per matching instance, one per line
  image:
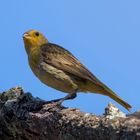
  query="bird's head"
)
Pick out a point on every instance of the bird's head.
point(33, 39)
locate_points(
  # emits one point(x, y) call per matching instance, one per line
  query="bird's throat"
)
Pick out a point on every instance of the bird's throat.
point(34, 57)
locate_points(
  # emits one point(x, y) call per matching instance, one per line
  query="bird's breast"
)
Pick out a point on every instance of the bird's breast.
point(34, 59)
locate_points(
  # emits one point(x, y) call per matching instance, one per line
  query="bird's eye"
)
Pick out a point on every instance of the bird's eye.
point(37, 33)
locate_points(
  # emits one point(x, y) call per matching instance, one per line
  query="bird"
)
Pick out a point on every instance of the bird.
point(58, 68)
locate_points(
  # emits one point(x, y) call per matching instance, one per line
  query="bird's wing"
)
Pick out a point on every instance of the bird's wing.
point(62, 59)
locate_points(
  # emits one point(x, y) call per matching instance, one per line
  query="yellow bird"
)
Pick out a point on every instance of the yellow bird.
point(59, 69)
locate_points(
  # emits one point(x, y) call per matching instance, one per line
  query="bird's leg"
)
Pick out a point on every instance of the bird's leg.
point(55, 100)
point(67, 97)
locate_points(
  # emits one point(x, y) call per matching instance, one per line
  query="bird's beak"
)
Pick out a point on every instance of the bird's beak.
point(26, 36)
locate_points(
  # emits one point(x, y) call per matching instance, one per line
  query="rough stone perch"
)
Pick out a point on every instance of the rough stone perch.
point(24, 117)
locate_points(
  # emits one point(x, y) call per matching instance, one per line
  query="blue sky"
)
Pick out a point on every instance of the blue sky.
point(103, 35)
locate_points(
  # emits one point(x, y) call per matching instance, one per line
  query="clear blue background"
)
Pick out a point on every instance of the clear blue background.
point(103, 34)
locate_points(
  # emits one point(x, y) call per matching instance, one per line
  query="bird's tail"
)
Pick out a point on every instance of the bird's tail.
point(103, 89)
point(115, 97)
